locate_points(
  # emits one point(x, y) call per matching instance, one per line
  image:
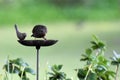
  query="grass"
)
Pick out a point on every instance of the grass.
point(73, 39)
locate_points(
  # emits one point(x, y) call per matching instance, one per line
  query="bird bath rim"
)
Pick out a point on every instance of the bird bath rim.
point(37, 42)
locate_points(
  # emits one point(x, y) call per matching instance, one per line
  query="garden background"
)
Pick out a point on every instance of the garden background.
point(72, 22)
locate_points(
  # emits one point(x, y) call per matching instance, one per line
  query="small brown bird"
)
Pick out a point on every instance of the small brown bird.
point(39, 31)
point(21, 36)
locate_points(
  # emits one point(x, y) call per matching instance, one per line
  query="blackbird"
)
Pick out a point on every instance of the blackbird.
point(39, 31)
point(21, 36)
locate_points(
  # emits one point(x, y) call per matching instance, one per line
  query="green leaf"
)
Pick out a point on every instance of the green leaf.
point(22, 74)
point(52, 78)
point(95, 47)
point(114, 63)
point(88, 51)
point(59, 67)
point(25, 78)
point(110, 73)
point(86, 57)
point(50, 73)
point(115, 59)
point(19, 62)
point(53, 68)
point(93, 42)
point(92, 76)
point(68, 79)
point(100, 68)
point(101, 45)
point(116, 55)
point(56, 68)
point(81, 73)
point(62, 75)
point(29, 70)
point(97, 44)
point(56, 74)
point(95, 38)
point(12, 69)
point(100, 58)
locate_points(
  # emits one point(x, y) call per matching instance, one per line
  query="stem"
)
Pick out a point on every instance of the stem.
point(89, 69)
point(22, 73)
point(46, 74)
point(76, 75)
point(117, 71)
point(8, 67)
point(90, 66)
point(13, 66)
point(6, 76)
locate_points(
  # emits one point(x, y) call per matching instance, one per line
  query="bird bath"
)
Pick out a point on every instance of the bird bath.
point(37, 44)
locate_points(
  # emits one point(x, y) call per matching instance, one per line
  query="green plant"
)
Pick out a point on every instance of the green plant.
point(116, 61)
point(19, 67)
point(56, 74)
point(97, 66)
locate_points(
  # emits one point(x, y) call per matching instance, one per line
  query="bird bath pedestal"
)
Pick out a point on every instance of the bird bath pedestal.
point(37, 44)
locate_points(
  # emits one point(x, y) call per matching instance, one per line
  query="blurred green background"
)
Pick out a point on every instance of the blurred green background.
point(32, 11)
point(72, 22)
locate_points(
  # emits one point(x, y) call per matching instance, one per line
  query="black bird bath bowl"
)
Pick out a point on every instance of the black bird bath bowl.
point(37, 44)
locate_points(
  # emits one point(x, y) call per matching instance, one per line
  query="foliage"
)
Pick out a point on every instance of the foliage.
point(116, 61)
point(97, 66)
point(19, 67)
point(56, 74)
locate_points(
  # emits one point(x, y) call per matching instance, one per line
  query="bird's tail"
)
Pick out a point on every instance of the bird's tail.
point(16, 28)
